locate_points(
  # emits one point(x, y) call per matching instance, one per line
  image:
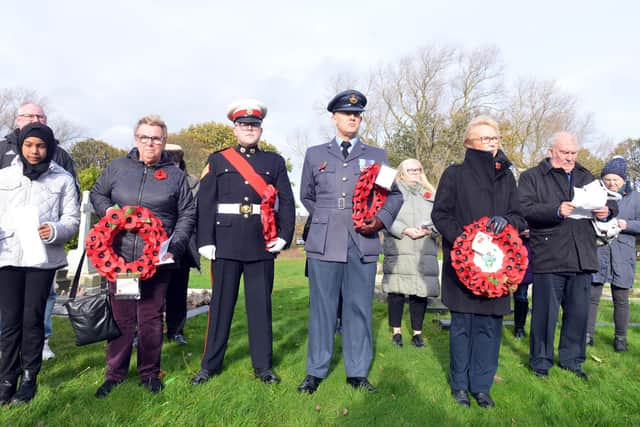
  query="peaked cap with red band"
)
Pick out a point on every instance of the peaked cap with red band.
point(247, 111)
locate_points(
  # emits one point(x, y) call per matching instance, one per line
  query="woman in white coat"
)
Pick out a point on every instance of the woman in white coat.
point(39, 212)
point(410, 265)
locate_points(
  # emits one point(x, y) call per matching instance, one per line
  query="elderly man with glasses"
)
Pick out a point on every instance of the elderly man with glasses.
point(246, 216)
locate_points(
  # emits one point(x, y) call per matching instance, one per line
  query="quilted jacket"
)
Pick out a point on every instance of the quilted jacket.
point(55, 197)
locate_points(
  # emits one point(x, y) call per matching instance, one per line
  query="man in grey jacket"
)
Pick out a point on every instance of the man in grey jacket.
point(342, 258)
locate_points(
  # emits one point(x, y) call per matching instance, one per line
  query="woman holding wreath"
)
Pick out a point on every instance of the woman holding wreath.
point(145, 177)
point(481, 186)
point(410, 264)
point(39, 213)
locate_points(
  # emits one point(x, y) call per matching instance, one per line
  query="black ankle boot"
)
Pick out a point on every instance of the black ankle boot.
point(28, 388)
point(520, 310)
point(7, 390)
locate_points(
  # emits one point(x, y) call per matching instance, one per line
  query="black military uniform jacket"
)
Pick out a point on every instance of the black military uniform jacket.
point(239, 236)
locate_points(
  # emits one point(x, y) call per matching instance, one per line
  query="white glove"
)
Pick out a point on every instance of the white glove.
point(277, 245)
point(208, 251)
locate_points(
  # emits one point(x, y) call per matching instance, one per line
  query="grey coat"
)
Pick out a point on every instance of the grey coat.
point(411, 266)
point(326, 190)
point(618, 258)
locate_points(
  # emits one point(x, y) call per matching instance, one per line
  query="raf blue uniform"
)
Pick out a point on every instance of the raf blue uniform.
point(240, 250)
point(341, 260)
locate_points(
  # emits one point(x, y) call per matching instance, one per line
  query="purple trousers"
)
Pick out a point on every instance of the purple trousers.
point(147, 314)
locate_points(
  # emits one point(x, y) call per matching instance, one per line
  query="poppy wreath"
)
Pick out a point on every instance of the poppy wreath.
point(490, 284)
point(362, 193)
point(267, 214)
point(136, 219)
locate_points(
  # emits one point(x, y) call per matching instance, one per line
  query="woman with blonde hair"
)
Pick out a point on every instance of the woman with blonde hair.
point(410, 265)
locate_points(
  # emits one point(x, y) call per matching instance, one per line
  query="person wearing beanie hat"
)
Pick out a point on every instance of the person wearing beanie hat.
point(28, 113)
point(618, 258)
point(39, 208)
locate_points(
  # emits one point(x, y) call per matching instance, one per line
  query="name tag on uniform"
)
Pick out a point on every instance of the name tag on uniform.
point(386, 176)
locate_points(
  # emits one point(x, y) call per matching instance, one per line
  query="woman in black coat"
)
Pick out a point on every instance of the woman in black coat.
point(482, 185)
point(145, 177)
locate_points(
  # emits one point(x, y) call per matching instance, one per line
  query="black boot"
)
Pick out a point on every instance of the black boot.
point(28, 388)
point(521, 308)
point(620, 344)
point(7, 390)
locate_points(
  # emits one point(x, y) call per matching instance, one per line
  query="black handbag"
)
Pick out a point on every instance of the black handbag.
point(91, 317)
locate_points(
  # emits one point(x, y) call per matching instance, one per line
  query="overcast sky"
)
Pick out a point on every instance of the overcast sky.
point(102, 65)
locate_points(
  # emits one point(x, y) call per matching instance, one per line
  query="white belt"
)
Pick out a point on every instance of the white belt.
point(239, 208)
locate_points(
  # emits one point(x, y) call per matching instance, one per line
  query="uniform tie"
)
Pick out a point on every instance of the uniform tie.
point(345, 148)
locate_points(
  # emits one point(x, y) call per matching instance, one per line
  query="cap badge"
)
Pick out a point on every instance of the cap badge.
point(353, 99)
point(249, 112)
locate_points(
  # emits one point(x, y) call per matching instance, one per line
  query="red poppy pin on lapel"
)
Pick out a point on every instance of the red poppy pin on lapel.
point(160, 174)
point(323, 166)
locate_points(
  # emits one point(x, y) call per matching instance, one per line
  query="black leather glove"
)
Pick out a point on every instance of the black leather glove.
point(498, 223)
point(372, 225)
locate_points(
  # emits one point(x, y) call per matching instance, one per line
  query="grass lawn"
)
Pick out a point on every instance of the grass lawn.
point(412, 384)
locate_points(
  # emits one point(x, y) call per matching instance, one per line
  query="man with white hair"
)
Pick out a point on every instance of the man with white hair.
point(563, 255)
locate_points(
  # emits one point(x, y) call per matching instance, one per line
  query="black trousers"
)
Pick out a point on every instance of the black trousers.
point(258, 284)
point(23, 298)
point(176, 301)
point(474, 347)
point(417, 308)
point(550, 291)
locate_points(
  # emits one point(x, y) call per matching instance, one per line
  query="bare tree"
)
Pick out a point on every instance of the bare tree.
point(10, 102)
point(11, 99)
point(533, 112)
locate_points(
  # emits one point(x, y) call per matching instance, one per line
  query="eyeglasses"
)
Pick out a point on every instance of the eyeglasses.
point(33, 116)
point(156, 140)
point(248, 125)
point(488, 139)
point(414, 170)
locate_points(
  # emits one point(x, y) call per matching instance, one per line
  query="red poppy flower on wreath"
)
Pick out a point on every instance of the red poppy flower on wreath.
point(487, 264)
point(135, 219)
point(160, 174)
point(267, 214)
point(362, 193)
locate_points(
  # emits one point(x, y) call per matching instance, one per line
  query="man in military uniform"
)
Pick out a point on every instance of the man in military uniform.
point(342, 259)
point(231, 234)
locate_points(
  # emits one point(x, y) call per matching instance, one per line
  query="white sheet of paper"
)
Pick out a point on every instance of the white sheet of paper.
point(26, 221)
point(591, 196)
point(386, 176)
point(164, 248)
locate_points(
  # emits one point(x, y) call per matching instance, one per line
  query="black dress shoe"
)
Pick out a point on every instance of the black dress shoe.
point(310, 384)
point(484, 400)
point(542, 373)
point(461, 397)
point(105, 388)
point(361, 383)
point(577, 371)
point(519, 332)
point(154, 385)
point(202, 377)
point(417, 340)
point(397, 339)
point(267, 376)
point(27, 389)
point(7, 390)
point(179, 339)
